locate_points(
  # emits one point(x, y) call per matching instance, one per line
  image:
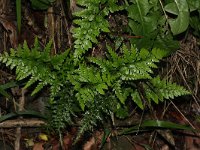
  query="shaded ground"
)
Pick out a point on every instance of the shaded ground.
point(182, 67)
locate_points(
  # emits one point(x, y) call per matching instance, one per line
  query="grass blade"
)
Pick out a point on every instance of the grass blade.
point(156, 124)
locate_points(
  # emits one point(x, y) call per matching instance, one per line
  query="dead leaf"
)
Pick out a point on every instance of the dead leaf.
point(38, 146)
point(43, 137)
point(138, 147)
point(167, 135)
point(67, 141)
point(11, 30)
point(165, 147)
point(89, 145)
point(94, 142)
point(29, 142)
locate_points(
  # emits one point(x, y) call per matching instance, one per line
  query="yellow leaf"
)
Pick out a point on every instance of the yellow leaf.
point(43, 137)
point(29, 142)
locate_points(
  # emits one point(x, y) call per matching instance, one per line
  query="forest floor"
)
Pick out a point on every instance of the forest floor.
point(182, 67)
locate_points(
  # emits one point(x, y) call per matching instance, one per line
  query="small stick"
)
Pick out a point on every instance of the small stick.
point(22, 123)
point(18, 129)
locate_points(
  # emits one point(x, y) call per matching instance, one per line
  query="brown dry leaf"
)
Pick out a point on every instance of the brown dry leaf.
point(12, 31)
point(192, 143)
point(38, 146)
point(55, 143)
point(67, 142)
point(165, 147)
point(90, 145)
point(138, 147)
point(56, 146)
point(167, 135)
point(94, 142)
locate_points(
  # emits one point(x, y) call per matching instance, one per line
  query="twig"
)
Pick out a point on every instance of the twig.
point(22, 123)
point(18, 129)
point(182, 115)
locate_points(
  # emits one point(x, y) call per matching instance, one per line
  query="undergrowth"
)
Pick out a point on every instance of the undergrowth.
point(96, 88)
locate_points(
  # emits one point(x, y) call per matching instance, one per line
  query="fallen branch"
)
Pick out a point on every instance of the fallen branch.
point(22, 123)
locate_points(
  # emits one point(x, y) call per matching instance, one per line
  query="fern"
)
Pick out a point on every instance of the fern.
point(98, 111)
point(36, 64)
point(63, 109)
point(91, 22)
point(95, 89)
point(161, 89)
point(122, 72)
point(88, 82)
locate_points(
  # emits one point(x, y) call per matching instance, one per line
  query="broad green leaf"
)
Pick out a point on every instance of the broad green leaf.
point(179, 24)
point(195, 24)
point(172, 8)
point(194, 5)
point(138, 10)
point(142, 21)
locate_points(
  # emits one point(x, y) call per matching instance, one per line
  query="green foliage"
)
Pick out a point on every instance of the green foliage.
point(152, 19)
point(5, 87)
point(150, 124)
point(39, 65)
point(163, 90)
point(36, 4)
point(195, 24)
point(41, 4)
point(143, 15)
point(183, 9)
point(133, 65)
point(146, 19)
point(91, 22)
point(195, 16)
point(181, 22)
point(95, 89)
point(62, 109)
point(22, 113)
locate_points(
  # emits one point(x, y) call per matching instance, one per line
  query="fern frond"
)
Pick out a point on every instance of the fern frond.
point(62, 110)
point(87, 82)
point(91, 23)
point(141, 66)
point(121, 92)
point(131, 64)
point(98, 111)
point(34, 63)
point(158, 90)
point(137, 99)
point(84, 96)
